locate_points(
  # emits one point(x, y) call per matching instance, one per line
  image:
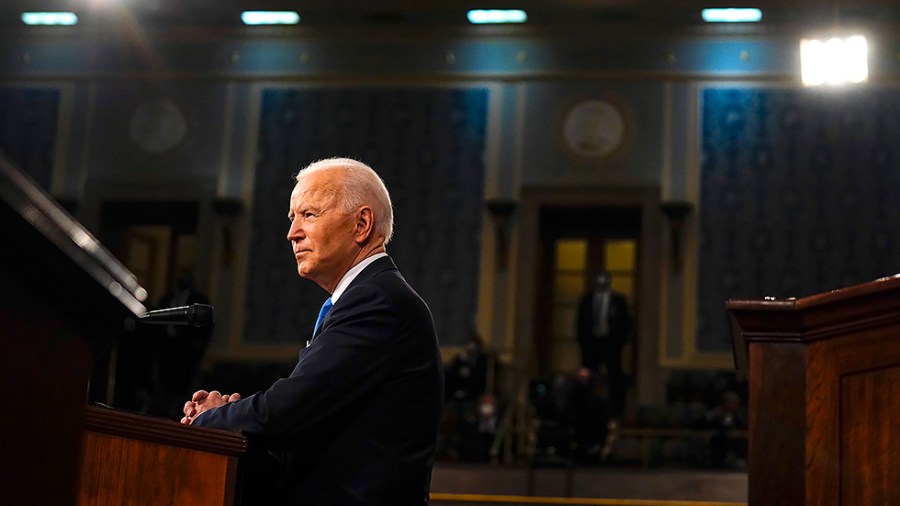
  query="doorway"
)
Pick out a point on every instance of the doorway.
point(154, 240)
point(157, 242)
point(576, 244)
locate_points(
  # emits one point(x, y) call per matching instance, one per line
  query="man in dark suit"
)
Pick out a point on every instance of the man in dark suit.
point(603, 329)
point(358, 418)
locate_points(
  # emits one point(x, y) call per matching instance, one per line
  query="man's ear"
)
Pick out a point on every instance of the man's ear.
point(365, 224)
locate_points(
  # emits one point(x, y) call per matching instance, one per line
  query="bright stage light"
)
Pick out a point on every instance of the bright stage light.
point(834, 61)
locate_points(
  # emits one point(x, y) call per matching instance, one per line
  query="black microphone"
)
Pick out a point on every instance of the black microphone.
point(195, 315)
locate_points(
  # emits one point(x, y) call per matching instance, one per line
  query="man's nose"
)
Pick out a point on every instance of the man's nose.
point(295, 231)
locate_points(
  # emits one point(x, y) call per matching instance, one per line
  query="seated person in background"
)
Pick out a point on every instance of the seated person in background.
point(573, 413)
point(589, 414)
point(466, 376)
point(728, 449)
point(479, 429)
point(465, 381)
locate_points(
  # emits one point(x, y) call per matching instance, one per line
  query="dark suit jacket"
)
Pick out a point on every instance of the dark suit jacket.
point(358, 417)
point(619, 321)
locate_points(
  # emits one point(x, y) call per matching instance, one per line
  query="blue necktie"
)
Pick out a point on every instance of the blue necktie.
point(326, 307)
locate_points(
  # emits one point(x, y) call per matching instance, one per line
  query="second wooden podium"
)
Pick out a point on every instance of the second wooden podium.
point(824, 381)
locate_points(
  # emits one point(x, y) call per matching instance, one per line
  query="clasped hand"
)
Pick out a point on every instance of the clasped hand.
point(202, 401)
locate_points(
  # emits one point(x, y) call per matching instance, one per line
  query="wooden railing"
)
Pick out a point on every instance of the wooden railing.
point(649, 436)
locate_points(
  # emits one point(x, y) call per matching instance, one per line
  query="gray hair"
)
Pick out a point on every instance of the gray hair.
point(361, 186)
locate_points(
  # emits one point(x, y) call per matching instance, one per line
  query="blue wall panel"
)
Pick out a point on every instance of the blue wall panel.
point(28, 128)
point(798, 195)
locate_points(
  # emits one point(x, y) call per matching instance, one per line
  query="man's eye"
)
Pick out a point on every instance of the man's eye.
point(309, 215)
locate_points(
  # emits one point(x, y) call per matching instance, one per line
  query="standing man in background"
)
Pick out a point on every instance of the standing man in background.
point(603, 329)
point(358, 418)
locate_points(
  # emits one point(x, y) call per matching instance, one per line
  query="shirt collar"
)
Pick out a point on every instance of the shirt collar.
point(351, 275)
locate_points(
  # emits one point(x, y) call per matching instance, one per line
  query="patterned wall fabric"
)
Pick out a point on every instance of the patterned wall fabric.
point(28, 123)
point(798, 196)
point(427, 145)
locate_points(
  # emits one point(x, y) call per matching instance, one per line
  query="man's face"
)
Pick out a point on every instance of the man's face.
point(322, 232)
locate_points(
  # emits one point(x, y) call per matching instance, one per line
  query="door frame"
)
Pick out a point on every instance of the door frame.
point(649, 385)
point(562, 223)
point(182, 217)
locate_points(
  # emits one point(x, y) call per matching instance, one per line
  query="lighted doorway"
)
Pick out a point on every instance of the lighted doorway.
point(577, 244)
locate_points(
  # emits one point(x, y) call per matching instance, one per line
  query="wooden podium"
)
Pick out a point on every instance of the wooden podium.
point(128, 458)
point(63, 299)
point(824, 381)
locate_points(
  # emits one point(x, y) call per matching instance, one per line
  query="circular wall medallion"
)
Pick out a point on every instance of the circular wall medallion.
point(593, 128)
point(157, 126)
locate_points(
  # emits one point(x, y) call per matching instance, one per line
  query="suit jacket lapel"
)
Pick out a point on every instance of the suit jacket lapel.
point(376, 267)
